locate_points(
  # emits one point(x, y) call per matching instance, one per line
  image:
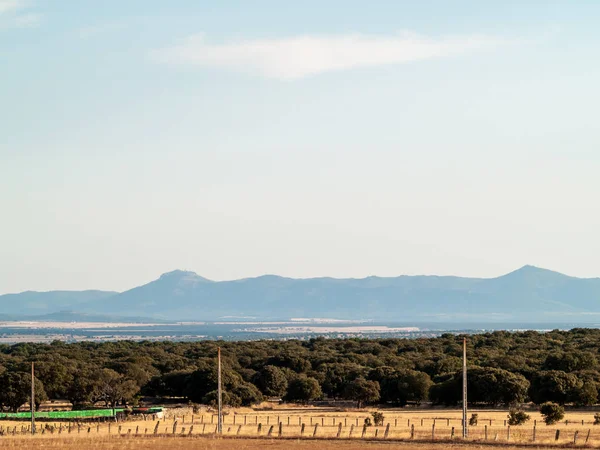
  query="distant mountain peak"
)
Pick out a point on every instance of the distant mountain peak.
point(182, 274)
point(529, 271)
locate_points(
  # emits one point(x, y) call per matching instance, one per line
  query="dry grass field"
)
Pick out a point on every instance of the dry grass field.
point(405, 428)
point(179, 443)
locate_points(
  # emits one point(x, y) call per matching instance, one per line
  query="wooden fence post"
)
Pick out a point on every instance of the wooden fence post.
point(452, 433)
point(270, 430)
point(339, 433)
point(534, 432)
point(239, 430)
point(587, 438)
point(412, 431)
point(316, 428)
point(174, 427)
point(433, 432)
point(508, 433)
point(280, 429)
point(302, 429)
point(364, 430)
point(351, 430)
point(575, 437)
point(155, 428)
point(259, 429)
point(387, 431)
point(557, 435)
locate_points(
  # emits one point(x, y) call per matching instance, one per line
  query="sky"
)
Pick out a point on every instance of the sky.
point(341, 138)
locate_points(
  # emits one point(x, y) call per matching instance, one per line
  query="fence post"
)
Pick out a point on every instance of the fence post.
point(280, 429)
point(339, 433)
point(174, 427)
point(364, 430)
point(302, 429)
point(316, 428)
point(238, 430)
point(270, 431)
point(485, 433)
point(508, 433)
point(351, 430)
point(387, 431)
point(557, 436)
point(534, 430)
point(452, 433)
point(575, 437)
point(588, 436)
point(155, 428)
point(412, 431)
point(433, 432)
point(259, 429)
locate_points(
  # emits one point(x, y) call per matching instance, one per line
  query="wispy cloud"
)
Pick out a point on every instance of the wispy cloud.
point(98, 29)
point(301, 56)
point(15, 14)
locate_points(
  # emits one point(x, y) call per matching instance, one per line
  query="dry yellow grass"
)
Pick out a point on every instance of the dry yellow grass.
point(178, 443)
point(244, 423)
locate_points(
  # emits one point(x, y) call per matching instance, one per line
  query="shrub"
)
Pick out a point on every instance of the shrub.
point(378, 418)
point(552, 413)
point(517, 417)
point(597, 419)
point(368, 422)
point(473, 419)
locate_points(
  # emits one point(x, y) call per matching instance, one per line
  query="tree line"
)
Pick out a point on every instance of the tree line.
point(504, 369)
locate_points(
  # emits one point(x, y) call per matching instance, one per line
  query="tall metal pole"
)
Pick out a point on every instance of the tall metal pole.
point(32, 402)
point(220, 396)
point(464, 400)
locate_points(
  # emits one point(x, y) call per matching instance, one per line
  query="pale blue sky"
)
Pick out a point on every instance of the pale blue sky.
point(314, 138)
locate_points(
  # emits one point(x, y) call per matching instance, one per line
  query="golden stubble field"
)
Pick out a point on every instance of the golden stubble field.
point(206, 443)
point(184, 430)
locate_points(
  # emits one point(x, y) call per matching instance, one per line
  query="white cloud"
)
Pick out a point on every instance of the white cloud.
point(27, 20)
point(10, 5)
point(12, 14)
point(95, 30)
point(297, 57)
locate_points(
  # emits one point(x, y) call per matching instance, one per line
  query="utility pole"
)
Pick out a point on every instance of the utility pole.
point(464, 400)
point(32, 402)
point(219, 395)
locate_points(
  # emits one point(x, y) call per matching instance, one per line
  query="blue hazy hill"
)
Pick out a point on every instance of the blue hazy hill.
point(528, 294)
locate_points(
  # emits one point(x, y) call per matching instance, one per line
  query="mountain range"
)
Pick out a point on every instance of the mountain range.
point(529, 294)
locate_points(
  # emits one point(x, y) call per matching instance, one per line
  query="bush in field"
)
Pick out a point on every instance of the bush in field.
point(597, 419)
point(552, 412)
point(517, 417)
point(473, 419)
point(368, 422)
point(378, 418)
